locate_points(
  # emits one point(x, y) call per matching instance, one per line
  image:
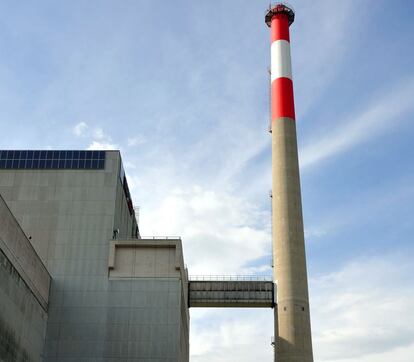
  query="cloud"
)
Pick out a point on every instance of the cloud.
point(209, 221)
point(382, 114)
point(315, 232)
point(363, 310)
point(386, 202)
point(360, 312)
point(318, 51)
point(99, 140)
point(135, 141)
point(224, 335)
point(400, 354)
point(80, 129)
point(96, 145)
point(99, 134)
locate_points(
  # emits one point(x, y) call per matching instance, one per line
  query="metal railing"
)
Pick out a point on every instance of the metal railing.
point(273, 4)
point(262, 278)
point(152, 237)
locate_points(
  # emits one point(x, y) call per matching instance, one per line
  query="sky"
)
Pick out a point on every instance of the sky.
point(182, 89)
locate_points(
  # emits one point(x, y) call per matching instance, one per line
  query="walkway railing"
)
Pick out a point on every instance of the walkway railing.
point(152, 237)
point(263, 278)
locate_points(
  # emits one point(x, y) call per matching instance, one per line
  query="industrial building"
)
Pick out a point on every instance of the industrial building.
point(77, 280)
point(74, 207)
point(79, 283)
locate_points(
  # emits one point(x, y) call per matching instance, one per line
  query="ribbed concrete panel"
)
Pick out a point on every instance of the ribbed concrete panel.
point(241, 293)
point(24, 293)
point(18, 249)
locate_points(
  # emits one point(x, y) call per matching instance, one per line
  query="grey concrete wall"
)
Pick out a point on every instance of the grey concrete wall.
point(134, 320)
point(71, 215)
point(19, 250)
point(24, 293)
point(22, 319)
point(294, 341)
point(158, 261)
point(184, 342)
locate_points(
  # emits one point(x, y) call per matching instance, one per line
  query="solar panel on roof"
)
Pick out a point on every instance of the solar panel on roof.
point(73, 160)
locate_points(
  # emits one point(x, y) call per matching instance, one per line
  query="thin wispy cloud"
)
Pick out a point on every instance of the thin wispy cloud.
point(359, 306)
point(320, 49)
point(135, 141)
point(383, 113)
point(358, 210)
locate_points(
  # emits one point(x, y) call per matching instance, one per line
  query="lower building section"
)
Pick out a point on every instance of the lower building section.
point(137, 312)
point(132, 320)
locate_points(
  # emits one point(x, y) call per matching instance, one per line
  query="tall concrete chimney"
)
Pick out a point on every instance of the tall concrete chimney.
point(293, 341)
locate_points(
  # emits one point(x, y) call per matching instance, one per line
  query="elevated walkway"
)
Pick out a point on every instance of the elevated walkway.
point(234, 292)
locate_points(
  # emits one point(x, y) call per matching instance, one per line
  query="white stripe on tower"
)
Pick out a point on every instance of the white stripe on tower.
point(280, 60)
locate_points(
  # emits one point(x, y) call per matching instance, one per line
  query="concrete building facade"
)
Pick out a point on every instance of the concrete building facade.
point(76, 208)
point(24, 293)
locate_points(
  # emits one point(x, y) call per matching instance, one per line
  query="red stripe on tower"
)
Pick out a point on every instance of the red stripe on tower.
point(282, 98)
point(279, 29)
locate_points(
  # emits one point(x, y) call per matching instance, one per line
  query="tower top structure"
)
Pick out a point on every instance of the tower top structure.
point(279, 8)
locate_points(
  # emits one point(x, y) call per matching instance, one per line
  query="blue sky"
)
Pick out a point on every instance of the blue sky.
point(182, 89)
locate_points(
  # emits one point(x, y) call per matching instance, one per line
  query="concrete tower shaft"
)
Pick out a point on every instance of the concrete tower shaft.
point(292, 322)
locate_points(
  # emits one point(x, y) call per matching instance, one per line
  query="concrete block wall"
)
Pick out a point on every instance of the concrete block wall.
point(24, 293)
point(19, 250)
point(22, 319)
